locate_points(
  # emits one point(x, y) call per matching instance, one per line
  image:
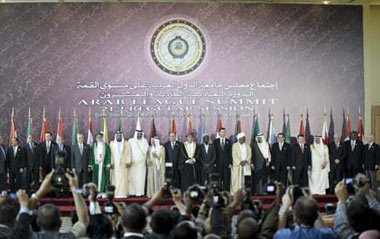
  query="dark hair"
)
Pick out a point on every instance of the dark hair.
point(8, 214)
point(306, 211)
point(185, 230)
point(222, 129)
point(362, 218)
point(281, 134)
point(49, 217)
point(48, 132)
point(300, 135)
point(134, 218)
point(162, 221)
point(247, 228)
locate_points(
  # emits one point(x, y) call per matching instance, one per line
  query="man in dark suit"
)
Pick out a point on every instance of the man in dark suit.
point(281, 159)
point(3, 165)
point(79, 159)
point(337, 154)
point(354, 150)
point(33, 164)
point(172, 151)
point(207, 157)
point(16, 165)
point(301, 161)
point(223, 149)
point(46, 149)
point(371, 160)
point(61, 147)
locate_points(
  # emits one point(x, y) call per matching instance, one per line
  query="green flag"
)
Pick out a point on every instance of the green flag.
point(29, 128)
point(75, 130)
point(287, 133)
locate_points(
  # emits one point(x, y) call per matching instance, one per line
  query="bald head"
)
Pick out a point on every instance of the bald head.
point(247, 228)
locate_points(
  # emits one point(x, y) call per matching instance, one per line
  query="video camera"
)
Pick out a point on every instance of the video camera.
point(109, 207)
point(59, 180)
point(168, 180)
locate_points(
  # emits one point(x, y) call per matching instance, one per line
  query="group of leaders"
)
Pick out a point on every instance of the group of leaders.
point(137, 168)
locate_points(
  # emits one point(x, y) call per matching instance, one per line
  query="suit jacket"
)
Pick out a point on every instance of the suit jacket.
point(172, 155)
point(223, 156)
point(80, 161)
point(207, 160)
point(354, 158)
point(371, 156)
point(337, 153)
point(65, 149)
point(301, 160)
point(33, 156)
point(281, 158)
point(3, 159)
point(46, 156)
point(14, 163)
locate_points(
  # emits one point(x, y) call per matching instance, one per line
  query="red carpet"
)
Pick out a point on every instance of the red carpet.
point(66, 205)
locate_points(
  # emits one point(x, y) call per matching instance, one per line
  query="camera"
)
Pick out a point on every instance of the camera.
point(59, 180)
point(166, 193)
point(196, 192)
point(356, 181)
point(109, 207)
point(297, 192)
point(271, 188)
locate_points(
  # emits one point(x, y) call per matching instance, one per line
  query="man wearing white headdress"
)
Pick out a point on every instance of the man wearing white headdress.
point(241, 163)
point(156, 167)
point(137, 172)
point(120, 162)
point(319, 173)
point(261, 159)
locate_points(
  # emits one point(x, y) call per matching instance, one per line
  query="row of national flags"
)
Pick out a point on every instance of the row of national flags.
point(328, 129)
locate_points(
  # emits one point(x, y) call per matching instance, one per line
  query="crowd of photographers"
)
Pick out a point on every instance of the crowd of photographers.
point(199, 212)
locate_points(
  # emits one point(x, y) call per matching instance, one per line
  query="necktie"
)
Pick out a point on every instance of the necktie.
point(302, 148)
point(352, 145)
point(369, 147)
point(60, 147)
point(14, 151)
point(81, 149)
point(337, 145)
point(31, 147)
point(222, 144)
point(206, 147)
point(172, 145)
point(48, 147)
point(280, 147)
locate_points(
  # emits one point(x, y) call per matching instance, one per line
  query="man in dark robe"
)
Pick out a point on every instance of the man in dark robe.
point(261, 157)
point(301, 161)
point(188, 160)
point(223, 149)
point(207, 157)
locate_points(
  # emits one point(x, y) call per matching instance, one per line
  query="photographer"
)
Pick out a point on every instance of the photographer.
point(354, 218)
point(309, 223)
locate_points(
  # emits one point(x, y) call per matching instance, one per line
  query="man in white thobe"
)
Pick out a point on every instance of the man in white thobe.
point(137, 172)
point(241, 163)
point(319, 174)
point(156, 167)
point(120, 162)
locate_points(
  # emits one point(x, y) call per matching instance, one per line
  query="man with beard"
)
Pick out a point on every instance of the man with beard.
point(188, 159)
point(261, 158)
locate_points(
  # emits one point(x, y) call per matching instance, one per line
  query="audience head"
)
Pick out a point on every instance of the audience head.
point(134, 218)
point(306, 211)
point(185, 230)
point(162, 221)
point(247, 228)
point(8, 214)
point(362, 218)
point(49, 217)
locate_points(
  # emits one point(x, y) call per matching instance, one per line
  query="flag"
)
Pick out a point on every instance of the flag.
point(271, 132)
point(237, 126)
point(283, 122)
point(104, 128)
point(153, 132)
point(287, 131)
point(331, 128)
point(75, 129)
point(90, 136)
point(256, 129)
point(343, 136)
point(348, 126)
point(308, 138)
point(60, 125)
point(12, 133)
point(302, 127)
point(203, 127)
point(360, 126)
point(121, 122)
point(44, 126)
point(253, 137)
point(218, 126)
point(325, 130)
point(30, 125)
point(189, 127)
point(173, 128)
